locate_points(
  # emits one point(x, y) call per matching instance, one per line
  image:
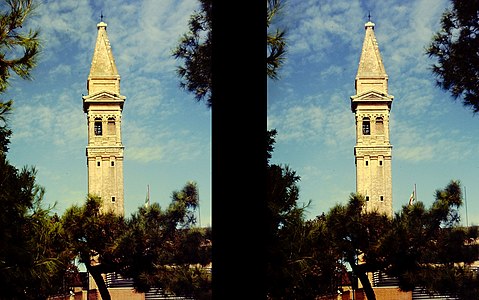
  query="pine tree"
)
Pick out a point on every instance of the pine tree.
point(456, 48)
point(195, 49)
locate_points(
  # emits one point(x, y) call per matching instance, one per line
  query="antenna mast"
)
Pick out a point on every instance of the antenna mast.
point(465, 204)
point(199, 210)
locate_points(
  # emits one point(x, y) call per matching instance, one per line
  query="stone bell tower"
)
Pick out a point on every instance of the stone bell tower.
point(103, 106)
point(371, 106)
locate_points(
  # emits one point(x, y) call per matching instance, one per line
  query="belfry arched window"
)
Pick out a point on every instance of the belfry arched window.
point(98, 126)
point(111, 126)
point(366, 126)
point(379, 126)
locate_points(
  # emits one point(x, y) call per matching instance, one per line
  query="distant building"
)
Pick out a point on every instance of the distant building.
point(371, 106)
point(103, 106)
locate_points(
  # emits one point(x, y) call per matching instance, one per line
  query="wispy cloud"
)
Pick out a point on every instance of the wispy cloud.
point(145, 32)
point(419, 142)
point(406, 37)
point(146, 143)
point(320, 25)
point(61, 124)
point(332, 71)
point(145, 95)
point(144, 154)
point(319, 119)
point(413, 96)
point(298, 123)
point(60, 70)
point(63, 24)
point(149, 33)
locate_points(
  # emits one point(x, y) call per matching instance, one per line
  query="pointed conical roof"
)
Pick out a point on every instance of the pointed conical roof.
point(371, 72)
point(103, 72)
point(371, 80)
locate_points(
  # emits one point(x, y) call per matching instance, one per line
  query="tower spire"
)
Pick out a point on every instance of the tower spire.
point(371, 72)
point(103, 72)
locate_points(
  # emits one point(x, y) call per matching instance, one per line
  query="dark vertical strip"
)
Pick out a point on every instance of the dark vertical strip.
point(239, 149)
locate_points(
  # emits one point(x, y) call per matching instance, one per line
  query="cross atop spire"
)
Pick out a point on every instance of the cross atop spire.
point(101, 16)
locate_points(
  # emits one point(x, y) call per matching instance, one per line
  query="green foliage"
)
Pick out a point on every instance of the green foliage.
point(19, 49)
point(356, 238)
point(276, 40)
point(422, 247)
point(298, 264)
point(428, 248)
point(309, 258)
point(455, 47)
point(195, 49)
point(33, 258)
point(356, 233)
point(155, 247)
point(165, 249)
point(18, 53)
point(92, 237)
point(5, 132)
point(32, 255)
point(93, 233)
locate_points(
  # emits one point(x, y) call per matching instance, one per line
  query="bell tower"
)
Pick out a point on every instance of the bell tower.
point(103, 106)
point(371, 106)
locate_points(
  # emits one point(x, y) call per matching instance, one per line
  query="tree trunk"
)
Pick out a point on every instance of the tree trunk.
point(363, 277)
point(95, 272)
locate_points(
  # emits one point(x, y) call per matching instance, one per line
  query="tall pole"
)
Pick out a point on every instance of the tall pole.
point(415, 193)
point(465, 204)
point(199, 210)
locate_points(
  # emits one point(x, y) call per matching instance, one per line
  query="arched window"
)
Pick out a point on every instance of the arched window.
point(111, 126)
point(379, 126)
point(98, 126)
point(366, 127)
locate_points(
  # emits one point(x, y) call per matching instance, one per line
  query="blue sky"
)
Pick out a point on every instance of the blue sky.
point(166, 133)
point(434, 138)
